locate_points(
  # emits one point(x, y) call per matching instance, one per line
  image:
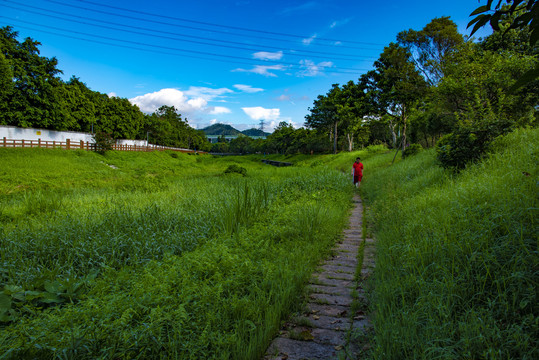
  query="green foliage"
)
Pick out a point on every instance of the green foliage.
point(457, 255)
point(236, 169)
point(103, 141)
point(158, 257)
point(412, 150)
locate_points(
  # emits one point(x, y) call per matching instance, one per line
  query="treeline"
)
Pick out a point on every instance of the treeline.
point(33, 95)
point(434, 86)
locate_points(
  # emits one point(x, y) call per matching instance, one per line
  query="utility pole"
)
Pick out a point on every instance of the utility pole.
point(262, 123)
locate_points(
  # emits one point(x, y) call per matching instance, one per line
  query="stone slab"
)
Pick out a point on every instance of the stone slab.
point(289, 349)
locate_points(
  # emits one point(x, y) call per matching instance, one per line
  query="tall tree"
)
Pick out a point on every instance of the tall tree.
point(395, 86)
point(324, 115)
point(6, 89)
point(430, 47)
point(35, 100)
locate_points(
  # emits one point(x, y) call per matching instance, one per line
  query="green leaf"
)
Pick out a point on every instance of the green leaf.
point(54, 287)
point(10, 289)
point(480, 10)
point(483, 19)
point(50, 298)
point(494, 21)
point(5, 302)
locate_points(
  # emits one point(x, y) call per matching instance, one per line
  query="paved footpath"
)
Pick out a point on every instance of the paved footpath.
point(324, 330)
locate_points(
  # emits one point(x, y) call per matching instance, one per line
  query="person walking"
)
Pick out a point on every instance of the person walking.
point(357, 172)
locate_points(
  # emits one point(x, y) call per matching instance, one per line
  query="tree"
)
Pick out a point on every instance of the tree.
point(430, 47)
point(526, 16)
point(395, 86)
point(325, 114)
point(6, 90)
point(35, 99)
point(281, 139)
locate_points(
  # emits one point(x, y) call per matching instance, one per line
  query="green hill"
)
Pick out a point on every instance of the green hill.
point(220, 129)
point(254, 132)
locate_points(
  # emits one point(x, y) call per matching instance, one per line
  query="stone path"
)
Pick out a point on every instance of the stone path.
point(335, 317)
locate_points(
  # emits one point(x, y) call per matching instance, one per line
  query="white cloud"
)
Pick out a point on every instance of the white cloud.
point(260, 113)
point(206, 92)
point(215, 110)
point(197, 103)
point(312, 69)
point(308, 41)
point(339, 23)
point(112, 94)
point(191, 103)
point(299, 8)
point(284, 97)
point(247, 88)
point(264, 55)
point(263, 70)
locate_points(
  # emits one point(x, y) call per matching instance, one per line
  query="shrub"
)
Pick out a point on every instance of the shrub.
point(411, 150)
point(469, 142)
point(103, 142)
point(236, 169)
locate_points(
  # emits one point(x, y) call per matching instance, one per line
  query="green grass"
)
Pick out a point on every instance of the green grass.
point(159, 257)
point(457, 258)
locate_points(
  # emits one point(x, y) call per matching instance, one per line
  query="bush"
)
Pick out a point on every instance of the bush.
point(236, 169)
point(103, 142)
point(469, 142)
point(411, 150)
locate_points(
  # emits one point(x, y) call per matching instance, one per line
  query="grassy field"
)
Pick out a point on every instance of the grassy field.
point(156, 255)
point(163, 255)
point(457, 255)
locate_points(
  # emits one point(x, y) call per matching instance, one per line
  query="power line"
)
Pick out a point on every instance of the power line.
point(290, 53)
point(209, 24)
point(213, 56)
point(204, 29)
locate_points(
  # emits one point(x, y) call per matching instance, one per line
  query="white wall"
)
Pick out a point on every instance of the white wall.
point(16, 133)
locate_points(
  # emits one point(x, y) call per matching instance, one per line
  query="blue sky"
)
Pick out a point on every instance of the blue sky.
point(237, 62)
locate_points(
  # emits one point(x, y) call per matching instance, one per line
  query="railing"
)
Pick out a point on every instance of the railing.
point(84, 145)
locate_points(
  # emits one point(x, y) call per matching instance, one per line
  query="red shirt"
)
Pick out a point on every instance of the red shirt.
point(358, 169)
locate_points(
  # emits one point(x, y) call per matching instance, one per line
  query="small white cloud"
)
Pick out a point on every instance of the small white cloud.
point(213, 121)
point(112, 94)
point(260, 113)
point(247, 88)
point(263, 70)
point(312, 69)
point(215, 110)
point(339, 23)
point(264, 55)
point(284, 97)
point(308, 41)
point(206, 92)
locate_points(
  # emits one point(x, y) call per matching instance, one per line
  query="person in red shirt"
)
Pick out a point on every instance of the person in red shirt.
point(357, 172)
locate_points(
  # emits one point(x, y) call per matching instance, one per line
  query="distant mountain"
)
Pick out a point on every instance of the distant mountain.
point(254, 132)
point(223, 129)
point(220, 129)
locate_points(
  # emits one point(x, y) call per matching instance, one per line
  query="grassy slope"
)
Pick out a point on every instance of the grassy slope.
point(163, 256)
point(457, 264)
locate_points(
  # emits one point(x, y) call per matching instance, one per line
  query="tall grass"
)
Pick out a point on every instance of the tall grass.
point(457, 258)
point(191, 264)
